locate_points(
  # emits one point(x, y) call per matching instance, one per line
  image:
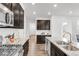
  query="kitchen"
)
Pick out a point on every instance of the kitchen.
point(11, 29)
point(39, 29)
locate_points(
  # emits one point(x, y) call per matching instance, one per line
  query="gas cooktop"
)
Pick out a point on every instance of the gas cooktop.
point(7, 52)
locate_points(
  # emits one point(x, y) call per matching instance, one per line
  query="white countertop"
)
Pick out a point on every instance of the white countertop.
point(17, 41)
point(68, 52)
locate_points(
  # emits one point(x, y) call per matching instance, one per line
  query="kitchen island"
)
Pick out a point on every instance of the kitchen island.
point(60, 47)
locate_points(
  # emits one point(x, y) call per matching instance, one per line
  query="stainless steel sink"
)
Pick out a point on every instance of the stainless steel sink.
point(70, 48)
point(67, 46)
point(61, 43)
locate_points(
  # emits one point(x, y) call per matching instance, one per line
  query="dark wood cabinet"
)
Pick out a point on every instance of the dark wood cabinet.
point(26, 48)
point(41, 39)
point(21, 17)
point(15, 9)
point(8, 5)
point(52, 49)
point(43, 24)
point(18, 14)
point(55, 51)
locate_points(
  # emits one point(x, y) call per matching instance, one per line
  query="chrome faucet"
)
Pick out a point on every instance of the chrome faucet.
point(70, 41)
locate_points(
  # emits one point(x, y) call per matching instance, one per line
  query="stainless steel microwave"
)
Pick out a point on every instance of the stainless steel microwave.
point(6, 16)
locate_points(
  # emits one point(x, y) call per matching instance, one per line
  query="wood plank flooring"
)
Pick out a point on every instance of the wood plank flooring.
point(36, 49)
point(39, 50)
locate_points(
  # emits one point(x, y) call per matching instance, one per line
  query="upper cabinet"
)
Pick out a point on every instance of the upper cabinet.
point(8, 5)
point(21, 17)
point(18, 14)
point(43, 24)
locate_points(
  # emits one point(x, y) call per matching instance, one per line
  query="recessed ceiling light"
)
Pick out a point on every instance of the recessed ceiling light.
point(78, 22)
point(49, 13)
point(33, 3)
point(65, 23)
point(55, 5)
point(70, 12)
point(34, 13)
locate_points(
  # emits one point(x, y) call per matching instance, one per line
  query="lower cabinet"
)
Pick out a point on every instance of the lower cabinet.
point(40, 39)
point(55, 51)
point(26, 48)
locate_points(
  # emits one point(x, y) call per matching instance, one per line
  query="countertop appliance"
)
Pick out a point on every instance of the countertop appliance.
point(6, 16)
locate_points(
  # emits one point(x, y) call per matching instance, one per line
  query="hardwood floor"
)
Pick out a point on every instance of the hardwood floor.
point(39, 50)
point(36, 49)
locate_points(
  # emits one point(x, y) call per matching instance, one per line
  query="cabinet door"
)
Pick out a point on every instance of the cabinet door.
point(18, 15)
point(55, 51)
point(43, 24)
point(15, 9)
point(21, 17)
point(52, 48)
point(40, 39)
point(8, 5)
point(58, 52)
point(25, 48)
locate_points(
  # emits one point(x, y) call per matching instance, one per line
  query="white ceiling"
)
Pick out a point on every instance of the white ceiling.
point(42, 9)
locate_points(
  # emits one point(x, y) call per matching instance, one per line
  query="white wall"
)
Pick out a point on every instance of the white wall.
point(57, 26)
point(72, 26)
point(75, 27)
point(32, 28)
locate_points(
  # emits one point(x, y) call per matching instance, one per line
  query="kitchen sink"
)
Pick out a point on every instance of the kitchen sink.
point(61, 43)
point(67, 46)
point(70, 48)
